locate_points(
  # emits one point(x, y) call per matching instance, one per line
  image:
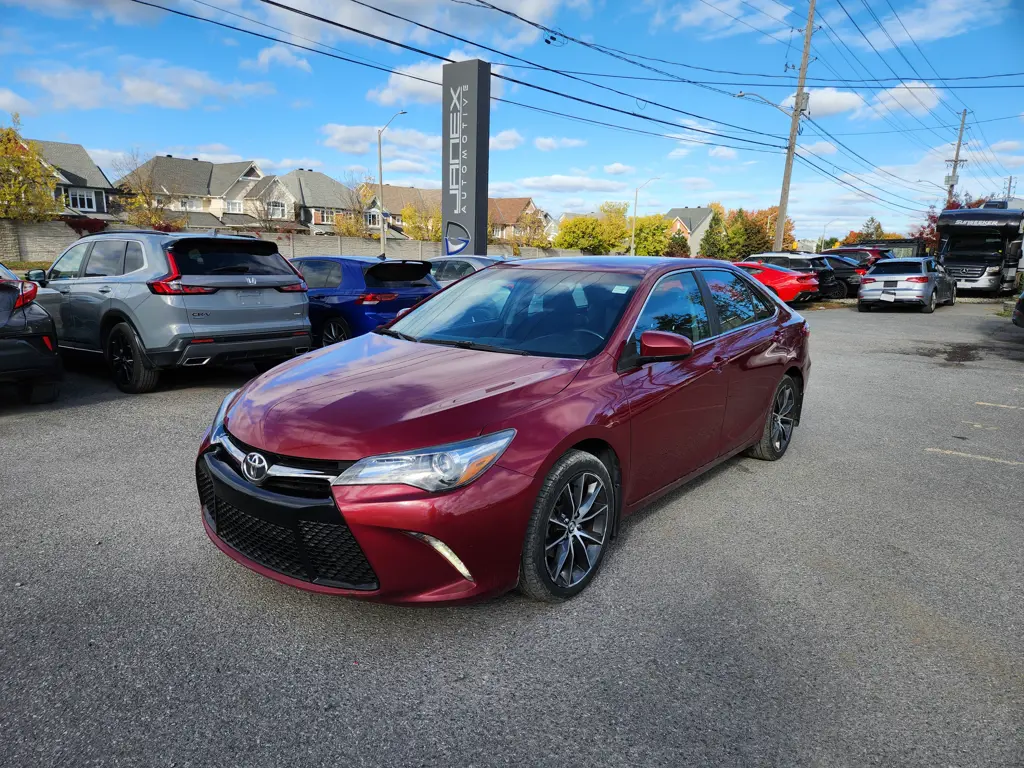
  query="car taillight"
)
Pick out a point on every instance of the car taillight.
point(294, 287)
point(806, 278)
point(860, 271)
point(170, 284)
point(26, 292)
point(917, 279)
point(866, 280)
point(375, 298)
point(48, 342)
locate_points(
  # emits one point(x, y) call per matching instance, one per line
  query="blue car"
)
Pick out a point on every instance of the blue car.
point(352, 295)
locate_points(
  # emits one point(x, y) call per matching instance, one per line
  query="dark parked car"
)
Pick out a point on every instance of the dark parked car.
point(1018, 312)
point(497, 434)
point(352, 295)
point(28, 341)
point(863, 255)
point(847, 274)
point(448, 269)
point(828, 286)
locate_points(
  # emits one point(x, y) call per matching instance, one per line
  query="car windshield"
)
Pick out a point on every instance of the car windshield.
point(896, 268)
point(545, 312)
point(6, 274)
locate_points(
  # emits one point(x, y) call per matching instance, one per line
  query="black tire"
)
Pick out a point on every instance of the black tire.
point(928, 308)
point(862, 307)
point(124, 356)
point(952, 297)
point(39, 392)
point(837, 290)
point(777, 435)
point(558, 518)
point(335, 330)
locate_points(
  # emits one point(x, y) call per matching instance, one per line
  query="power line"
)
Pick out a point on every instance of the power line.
point(903, 130)
point(855, 188)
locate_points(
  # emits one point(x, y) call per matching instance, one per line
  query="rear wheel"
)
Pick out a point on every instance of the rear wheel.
point(929, 307)
point(952, 297)
point(39, 392)
point(570, 528)
point(778, 427)
point(334, 330)
point(124, 356)
point(837, 290)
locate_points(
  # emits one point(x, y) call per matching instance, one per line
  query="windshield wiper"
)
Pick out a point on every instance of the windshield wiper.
point(462, 344)
point(394, 334)
point(238, 269)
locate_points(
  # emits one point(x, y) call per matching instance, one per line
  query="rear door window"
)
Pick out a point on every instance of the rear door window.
point(215, 256)
point(133, 257)
point(70, 263)
point(106, 259)
point(734, 300)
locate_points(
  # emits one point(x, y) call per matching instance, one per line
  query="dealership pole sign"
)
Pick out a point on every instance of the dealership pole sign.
point(466, 135)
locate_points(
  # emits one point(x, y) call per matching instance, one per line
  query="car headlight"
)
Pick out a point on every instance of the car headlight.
point(993, 270)
point(217, 428)
point(440, 468)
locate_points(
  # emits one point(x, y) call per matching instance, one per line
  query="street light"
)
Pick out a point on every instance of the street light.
point(821, 240)
point(632, 233)
point(380, 185)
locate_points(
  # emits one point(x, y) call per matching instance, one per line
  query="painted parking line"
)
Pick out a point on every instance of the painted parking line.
point(998, 405)
point(975, 425)
point(974, 456)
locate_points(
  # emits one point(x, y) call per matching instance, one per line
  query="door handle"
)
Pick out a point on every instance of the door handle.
point(105, 289)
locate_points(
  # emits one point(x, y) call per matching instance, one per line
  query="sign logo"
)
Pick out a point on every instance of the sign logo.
point(456, 238)
point(255, 468)
point(251, 280)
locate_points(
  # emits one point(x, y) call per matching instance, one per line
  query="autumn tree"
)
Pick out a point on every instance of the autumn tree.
point(872, 230)
point(829, 242)
point(756, 238)
point(928, 230)
point(713, 245)
point(27, 183)
point(614, 226)
point(142, 202)
point(678, 246)
point(582, 232)
point(736, 235)
point(768, 220)
point(350, 224)
point(529, 231)
point(422, 224)
point(651, 235)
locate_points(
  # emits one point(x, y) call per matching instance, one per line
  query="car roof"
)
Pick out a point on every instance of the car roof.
point(363, 260)
point(119, 233)
point(636, 265)
point(909, 258)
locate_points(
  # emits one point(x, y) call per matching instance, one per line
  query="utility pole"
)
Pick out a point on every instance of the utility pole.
point(952, 179)
point(1009, 188)
point(799, 106)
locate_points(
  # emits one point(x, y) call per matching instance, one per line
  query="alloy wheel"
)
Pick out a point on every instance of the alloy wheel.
point(122, 358)
point(333, 333)
point(577, 529)
point(783, 417)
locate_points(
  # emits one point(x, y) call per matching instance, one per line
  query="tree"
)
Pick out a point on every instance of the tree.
point(872, 230)
point(422, 224)
point(736, 235)
point(678, 246)
point(829, 242)
point(529, 231)
point(141, 202)
point(756, 238)
point(713, 244)
point(651, 235)
point(852, 238)
point(928, 230)
point(614, 226)
point(582, 232)
point(768, 219)
point(27, 183)
point(350, 224)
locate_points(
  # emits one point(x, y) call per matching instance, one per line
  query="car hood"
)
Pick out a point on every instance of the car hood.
point(376, 394)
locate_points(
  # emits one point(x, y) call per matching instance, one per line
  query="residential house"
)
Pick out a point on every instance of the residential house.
point(397, 199)
point(504, 215)
point(692, 222)
point(81, 185)
point(320, 199)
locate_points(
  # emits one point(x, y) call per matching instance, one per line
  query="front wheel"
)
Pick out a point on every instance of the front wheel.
point(569, 530)
point(952, 297)
point(837, 290)
point(124, 355)
point(778, 427)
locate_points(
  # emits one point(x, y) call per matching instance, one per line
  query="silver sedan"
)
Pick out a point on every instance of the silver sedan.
point(920, 282)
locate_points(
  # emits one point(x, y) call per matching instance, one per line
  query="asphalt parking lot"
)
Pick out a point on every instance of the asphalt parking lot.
point(857, 603)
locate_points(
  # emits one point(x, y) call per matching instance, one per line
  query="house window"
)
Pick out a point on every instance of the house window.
point(191, 204)
point(497, 231)
point(234, 206)
point(275, 209)
point(372, 219)
point(81, 200)
point(324, 216)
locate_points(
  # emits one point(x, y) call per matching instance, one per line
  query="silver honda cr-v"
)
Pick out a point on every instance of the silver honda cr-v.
point(149, 301)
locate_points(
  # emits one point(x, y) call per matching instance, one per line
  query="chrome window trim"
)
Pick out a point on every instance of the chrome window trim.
point(275, 470)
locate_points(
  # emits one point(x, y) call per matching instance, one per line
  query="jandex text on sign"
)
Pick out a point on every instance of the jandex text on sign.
point(466, 124)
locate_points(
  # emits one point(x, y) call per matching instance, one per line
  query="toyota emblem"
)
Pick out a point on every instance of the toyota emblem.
point(255, 468)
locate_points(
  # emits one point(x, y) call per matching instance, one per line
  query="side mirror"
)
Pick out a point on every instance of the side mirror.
point(662, 345)
point(36, 276)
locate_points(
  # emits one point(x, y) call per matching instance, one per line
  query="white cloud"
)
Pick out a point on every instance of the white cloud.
point(509, 139)
point(696, 183)
point(936, 20)
point(121, 11)
point(420, 83)
point(725, 18)
point(230, 42)
point(618, 169)
point(678, 152)
point(213, 148)
point(548, 143)
point(558, 183)
point(106, 158)
point(276, 54)
point(1007, 146)
point(358, 139)
point(406, 166)
point(503, 189)
point(918, 99)
point(823, 102)
point(152, 83)
point(12, 102)
point(725, 153)
point(309, 163)
point(358, 169)
point(818, 148)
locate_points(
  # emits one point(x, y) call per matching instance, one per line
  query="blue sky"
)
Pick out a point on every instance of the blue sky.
point(115, 76)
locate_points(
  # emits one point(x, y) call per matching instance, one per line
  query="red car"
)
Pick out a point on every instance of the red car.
point(496, 435)
point(788, 284)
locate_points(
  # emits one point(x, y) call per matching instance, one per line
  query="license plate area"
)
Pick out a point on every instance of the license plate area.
point(888, 296)
point(249, 298)
point(890, 283)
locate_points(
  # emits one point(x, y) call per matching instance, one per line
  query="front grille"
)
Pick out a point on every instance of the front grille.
point(292, 486)
point(966, 272)
point(309, 550)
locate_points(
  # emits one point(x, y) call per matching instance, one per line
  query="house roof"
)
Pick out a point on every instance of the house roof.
point(74, 164)
point(318, 190)
point(223, 175)
point(238, 220)
point(691, 217)
point(260, 187)
point(506, 210)
point(397, 198)
point(196, 219)
point(183, 176)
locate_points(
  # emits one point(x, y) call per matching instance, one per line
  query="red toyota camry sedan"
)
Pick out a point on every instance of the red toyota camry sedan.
point(498, 433)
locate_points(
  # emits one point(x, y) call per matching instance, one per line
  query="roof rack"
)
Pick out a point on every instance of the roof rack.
point(124, 232)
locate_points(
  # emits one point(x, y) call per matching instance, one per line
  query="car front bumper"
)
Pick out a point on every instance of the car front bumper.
point(983, 283)
point(196, 350)
point(360, 541)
